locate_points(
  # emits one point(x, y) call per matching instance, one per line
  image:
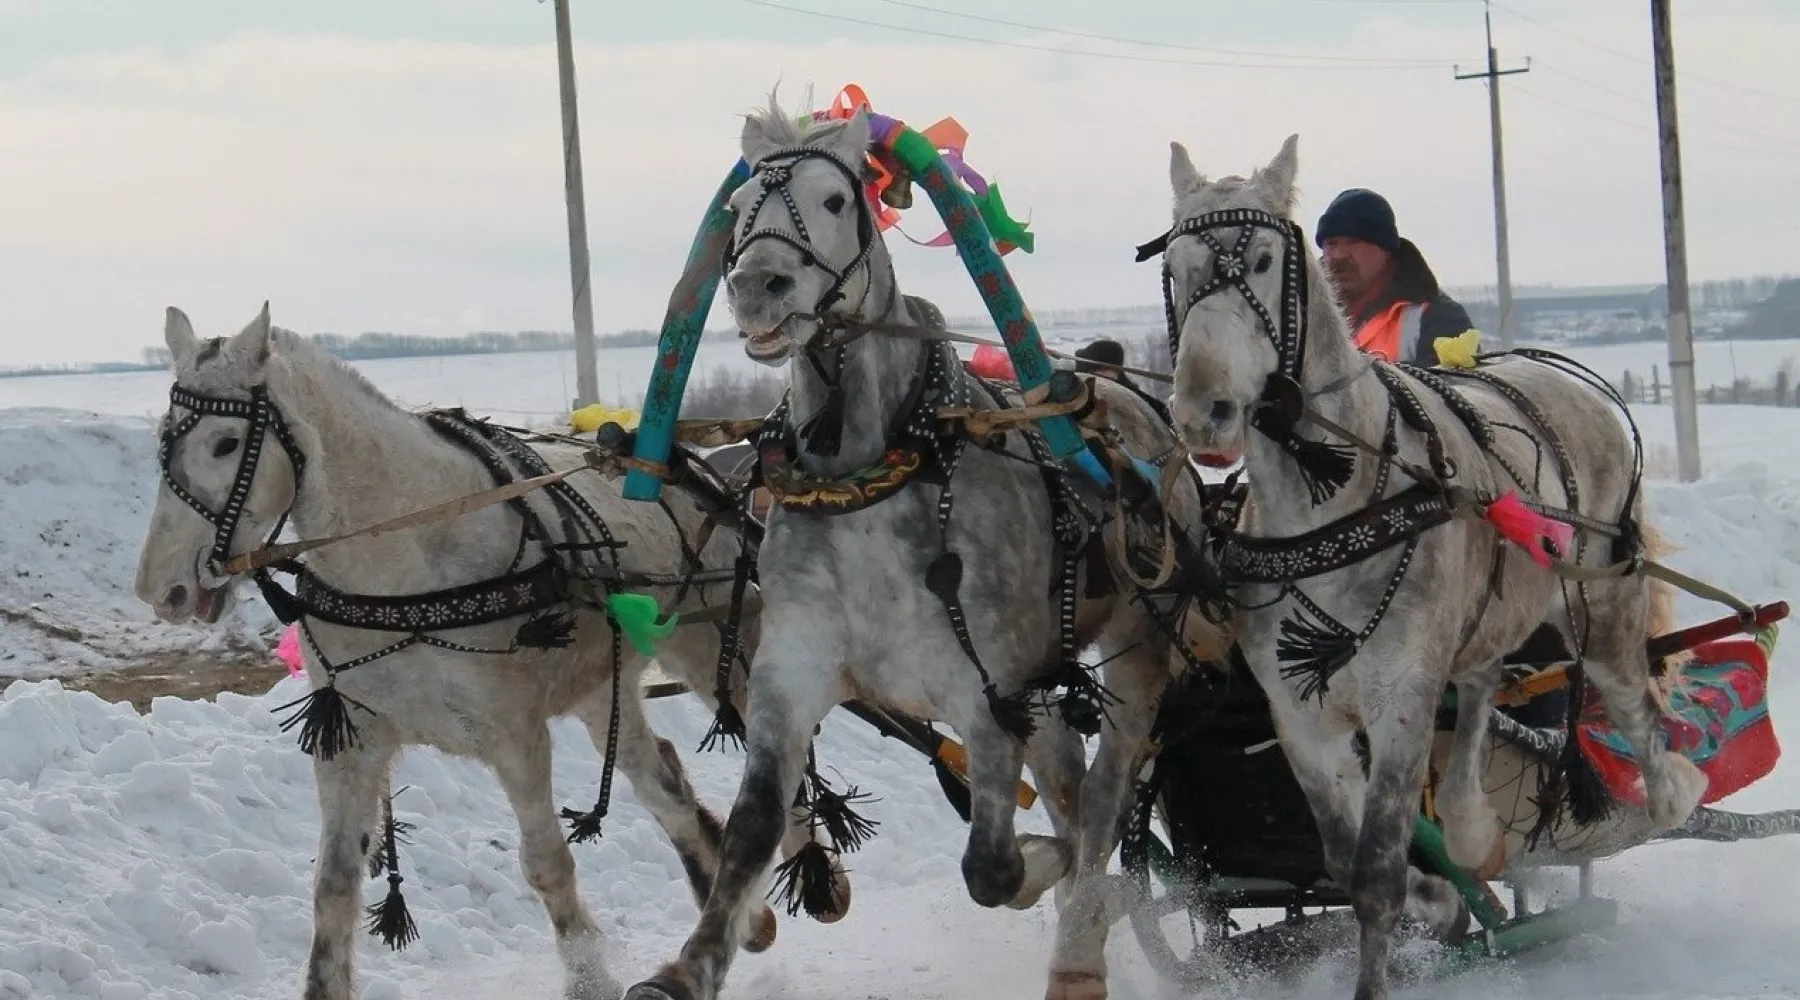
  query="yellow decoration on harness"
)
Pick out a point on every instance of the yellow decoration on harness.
point(1458, 351)
point(589, 418)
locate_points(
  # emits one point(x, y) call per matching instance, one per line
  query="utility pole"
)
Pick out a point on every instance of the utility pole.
point(587, 389)
point(1502, 255)
point(1681, 331)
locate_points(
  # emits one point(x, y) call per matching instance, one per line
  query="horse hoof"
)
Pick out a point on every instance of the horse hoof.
point(1678, 794)
point(1047, 861)
point(763, 927)
point(660, 987)
point(1071, 984)
point(840, 895)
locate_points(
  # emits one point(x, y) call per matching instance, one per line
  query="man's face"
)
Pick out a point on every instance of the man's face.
point(1354, 264)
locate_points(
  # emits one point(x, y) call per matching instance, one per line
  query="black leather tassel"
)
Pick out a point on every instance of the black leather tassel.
point(823, 432)
point(584, 826)
point(834, 812)
point(1324, 467)
point(1012, 712)
point(389, 919)
point(549, 630)
point(324, 720)
point(804, 882)
point(727, 730)
point(1311, 652)
point(282, 604)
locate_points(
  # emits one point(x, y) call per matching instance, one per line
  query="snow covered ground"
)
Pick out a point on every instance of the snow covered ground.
point(169, 855)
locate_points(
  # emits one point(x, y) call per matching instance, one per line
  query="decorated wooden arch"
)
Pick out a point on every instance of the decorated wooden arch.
point(976, 223)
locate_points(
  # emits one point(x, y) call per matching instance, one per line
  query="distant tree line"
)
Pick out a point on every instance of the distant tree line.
point(376, 344)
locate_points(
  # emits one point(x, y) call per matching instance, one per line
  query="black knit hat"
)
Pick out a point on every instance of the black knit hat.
point(1360, 214)
point(1107, 352)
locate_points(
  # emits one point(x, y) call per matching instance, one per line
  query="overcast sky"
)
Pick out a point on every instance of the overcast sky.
point(397, 165)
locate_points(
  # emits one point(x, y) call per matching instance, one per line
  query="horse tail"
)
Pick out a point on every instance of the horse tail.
point(1661, 619)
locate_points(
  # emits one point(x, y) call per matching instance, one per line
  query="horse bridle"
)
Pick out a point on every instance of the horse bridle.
point(1231, 270)
point(775, 172)
point(262, 415)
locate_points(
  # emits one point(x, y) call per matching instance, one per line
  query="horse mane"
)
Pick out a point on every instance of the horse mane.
point(307, 365)
point(785, 129)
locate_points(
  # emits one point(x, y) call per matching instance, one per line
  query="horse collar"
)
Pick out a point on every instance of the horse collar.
point(912, 447)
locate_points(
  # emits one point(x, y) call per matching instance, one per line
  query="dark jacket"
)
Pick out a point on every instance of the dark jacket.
point(1414, 282)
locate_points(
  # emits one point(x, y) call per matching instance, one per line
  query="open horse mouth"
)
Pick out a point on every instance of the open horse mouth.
point(1216, 459)
point(769, 346)
point(210, 605)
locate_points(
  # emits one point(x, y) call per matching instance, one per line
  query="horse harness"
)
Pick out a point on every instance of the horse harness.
point(1313, 644)
point(544, 593)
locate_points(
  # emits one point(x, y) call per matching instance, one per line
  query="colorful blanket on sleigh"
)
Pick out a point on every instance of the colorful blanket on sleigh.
point(1720, 721)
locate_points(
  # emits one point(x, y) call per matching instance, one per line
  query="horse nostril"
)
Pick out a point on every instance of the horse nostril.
point(778, 284)
point(176, 597)
point(1223, 410)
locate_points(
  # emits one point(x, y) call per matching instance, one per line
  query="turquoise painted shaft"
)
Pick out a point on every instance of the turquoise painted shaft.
point(1013, 321)
point(684, 323)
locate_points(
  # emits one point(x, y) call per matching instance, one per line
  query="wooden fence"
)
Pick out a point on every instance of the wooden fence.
point(1778, 389)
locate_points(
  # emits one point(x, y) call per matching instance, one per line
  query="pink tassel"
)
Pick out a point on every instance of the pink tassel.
point(288, 651)
point(1541, 537)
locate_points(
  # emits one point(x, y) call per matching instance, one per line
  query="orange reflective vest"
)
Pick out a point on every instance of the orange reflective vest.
point(1393, 333)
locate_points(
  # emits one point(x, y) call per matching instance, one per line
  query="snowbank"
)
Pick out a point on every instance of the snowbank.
point(78, 490)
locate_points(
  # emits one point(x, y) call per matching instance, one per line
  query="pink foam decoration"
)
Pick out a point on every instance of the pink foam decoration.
point(288, 651)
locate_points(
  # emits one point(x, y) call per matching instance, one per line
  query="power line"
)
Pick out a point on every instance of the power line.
point(1636, 126)
point(1640, 60)
point(1168, 45)
point(1706, 123)
point(1089, 53)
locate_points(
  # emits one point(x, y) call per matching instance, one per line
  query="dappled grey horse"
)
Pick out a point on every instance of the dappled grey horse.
point(908, 567)
point(1371, 569)
point(462, 634)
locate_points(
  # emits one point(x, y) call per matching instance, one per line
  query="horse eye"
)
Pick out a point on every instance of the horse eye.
point(1263, 262)
point(225, 447)
point(834, 204)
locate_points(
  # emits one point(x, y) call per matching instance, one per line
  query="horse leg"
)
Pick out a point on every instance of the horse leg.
point(1056, 756)
point(524, 772)
point(1619, 666)
point(1078, 965)
point(1000, 867)
point(783, 709)
point(1471, 825)
point(351, 786)
point(1382, 884)
point(657, 776)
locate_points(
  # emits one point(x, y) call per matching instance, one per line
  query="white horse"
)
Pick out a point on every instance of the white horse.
point(877, 585)
point(414, 637)
point(1368, 585)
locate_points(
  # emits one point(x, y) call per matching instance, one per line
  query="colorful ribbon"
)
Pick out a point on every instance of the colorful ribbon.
point(950, 140)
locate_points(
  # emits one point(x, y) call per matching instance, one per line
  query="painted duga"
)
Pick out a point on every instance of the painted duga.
point(262, 428)
point(1368, 643)
point(857, 597)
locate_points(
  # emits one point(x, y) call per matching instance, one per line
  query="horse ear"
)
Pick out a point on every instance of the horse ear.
point(178, 334)
point(852, 141)
point(756, 141)
point(251, 345)
point(1276, 181)
point(1183, 176)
